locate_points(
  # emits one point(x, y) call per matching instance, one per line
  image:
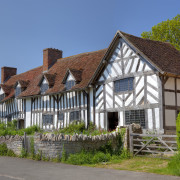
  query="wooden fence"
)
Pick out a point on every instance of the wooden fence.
point(155, 144)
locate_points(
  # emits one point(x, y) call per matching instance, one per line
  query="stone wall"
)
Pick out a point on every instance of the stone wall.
point(52, 145)
point(14, 143)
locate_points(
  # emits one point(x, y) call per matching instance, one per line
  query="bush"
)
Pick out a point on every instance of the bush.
point(80, 158)
point(101, 157)
point(178, 131)
point(11, 129)
point(11, 153)
point(174, 165)
point(3, 149)
point(24, 153)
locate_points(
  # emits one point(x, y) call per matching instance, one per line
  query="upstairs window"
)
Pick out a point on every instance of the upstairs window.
point(2, 96)
point(69, 84)
point(74, 116)
point(17, 91)
point(123, 85)
point(44, 86)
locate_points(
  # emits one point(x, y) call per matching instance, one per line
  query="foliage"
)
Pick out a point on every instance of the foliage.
point(11, 129)
point(24, 153)
point(79, 128)
point(4, 151)
point(166, 31)
point(32, 150)
point(174, 165)
point(64, 155)
point(178, 131)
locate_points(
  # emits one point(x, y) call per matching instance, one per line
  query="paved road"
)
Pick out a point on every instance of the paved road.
point(24, 169)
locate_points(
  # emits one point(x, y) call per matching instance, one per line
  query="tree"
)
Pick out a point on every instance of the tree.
point(166, 31)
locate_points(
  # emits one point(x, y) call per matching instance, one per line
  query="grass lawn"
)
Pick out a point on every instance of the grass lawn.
point(139, 164)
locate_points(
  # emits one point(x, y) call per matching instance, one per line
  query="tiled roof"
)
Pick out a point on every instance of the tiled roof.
point(162, 54)
point(85, 63)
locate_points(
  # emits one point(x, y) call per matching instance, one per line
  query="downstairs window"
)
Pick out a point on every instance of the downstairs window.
point(135, 116)
point(47, 119)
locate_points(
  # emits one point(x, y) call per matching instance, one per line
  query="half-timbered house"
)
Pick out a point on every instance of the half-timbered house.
point(134, 80)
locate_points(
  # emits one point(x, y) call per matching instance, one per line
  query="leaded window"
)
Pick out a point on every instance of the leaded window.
point(2, 96)
point(123, 85)
point(44, 88)
point(135, 116)
point(47, 119)
point(61, 117)
point(17, 91)
point(74, 116)
point(69, 84)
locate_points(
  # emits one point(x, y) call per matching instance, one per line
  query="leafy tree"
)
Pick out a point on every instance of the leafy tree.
point(166, 31)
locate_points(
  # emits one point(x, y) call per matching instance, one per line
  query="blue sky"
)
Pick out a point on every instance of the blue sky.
point(74, 26)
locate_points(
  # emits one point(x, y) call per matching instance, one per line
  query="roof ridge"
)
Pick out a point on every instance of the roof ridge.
point(144, 38)
point(80, 54)
point(27, 71)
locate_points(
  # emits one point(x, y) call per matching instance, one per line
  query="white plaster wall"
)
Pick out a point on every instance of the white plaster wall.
point(91, 104)
point(170, 117)
point(150, 119)
point(28, 113)
point(170, 98)
point(170, 84)
point(70, 77)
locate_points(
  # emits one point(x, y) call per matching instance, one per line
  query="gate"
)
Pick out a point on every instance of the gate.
point(145, 144)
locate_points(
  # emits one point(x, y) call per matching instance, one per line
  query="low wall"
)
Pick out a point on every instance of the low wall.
point(52, 145)
point(14, 143)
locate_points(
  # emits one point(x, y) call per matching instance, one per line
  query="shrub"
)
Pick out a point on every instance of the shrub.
point(80, 158)
point(24, 153)
point(64, 155)
point(32, 150)
point(11, 153)
point(174, 165)
point(178, 131)
point(3, 149)
point(101, 157)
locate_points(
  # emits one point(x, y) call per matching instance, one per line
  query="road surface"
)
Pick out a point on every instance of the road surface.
point(24, 169)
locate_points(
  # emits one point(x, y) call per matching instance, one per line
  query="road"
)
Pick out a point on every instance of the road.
point(24, 169)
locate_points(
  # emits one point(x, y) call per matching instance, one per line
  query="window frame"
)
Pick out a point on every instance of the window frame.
point(18, 91)
point(47, 114)
point(125, 91)
point(42, 85)
point(74, 119)
point(71, 84)
point(2, 96)
point(131, 120)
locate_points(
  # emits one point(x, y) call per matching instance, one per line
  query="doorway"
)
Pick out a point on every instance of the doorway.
point(21, 124)
point(112, 120)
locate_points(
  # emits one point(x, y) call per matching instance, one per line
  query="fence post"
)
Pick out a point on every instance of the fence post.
point(25, 141)
point(131, 140)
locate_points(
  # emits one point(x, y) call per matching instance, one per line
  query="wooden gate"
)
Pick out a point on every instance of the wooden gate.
point(145, 144)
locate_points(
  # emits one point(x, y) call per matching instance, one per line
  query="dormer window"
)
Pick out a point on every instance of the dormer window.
point(70, 84)
point(20, 86)
point(2, 96)
point(17, 91)
point(44, 86)
point(71, 78)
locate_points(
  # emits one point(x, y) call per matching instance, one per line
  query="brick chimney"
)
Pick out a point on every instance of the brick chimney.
point(50, 57)
point(7, 72)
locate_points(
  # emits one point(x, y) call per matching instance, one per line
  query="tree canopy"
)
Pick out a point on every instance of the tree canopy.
point(166, 31)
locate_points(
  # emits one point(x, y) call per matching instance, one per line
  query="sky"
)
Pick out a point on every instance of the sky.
point(73, 26)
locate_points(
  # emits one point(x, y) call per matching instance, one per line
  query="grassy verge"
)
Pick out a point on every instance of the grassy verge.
point(142, 164)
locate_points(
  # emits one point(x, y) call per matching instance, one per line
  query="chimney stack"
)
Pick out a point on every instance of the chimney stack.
point(7, 72)
point(50, 57)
